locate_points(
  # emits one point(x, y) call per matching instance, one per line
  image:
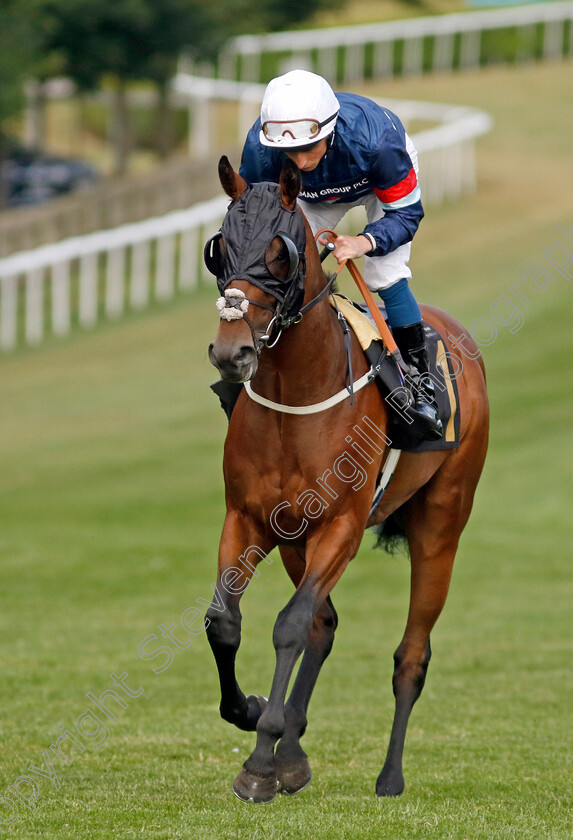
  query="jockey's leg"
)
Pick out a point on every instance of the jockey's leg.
point(389, 276)
point(405, 320)
point(411, 340)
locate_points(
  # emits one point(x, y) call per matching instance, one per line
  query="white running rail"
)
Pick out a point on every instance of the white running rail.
point(440, 42)
point(82, 279)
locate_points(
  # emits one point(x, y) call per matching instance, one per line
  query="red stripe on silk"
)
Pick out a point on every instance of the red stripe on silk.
point(399, 190)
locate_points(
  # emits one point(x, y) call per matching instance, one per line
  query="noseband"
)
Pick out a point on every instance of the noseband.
point(233, 306)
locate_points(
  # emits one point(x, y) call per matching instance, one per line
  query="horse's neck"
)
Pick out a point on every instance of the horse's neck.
point(308, 363)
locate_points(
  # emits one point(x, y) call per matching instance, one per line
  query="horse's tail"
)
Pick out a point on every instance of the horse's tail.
point(390, 535)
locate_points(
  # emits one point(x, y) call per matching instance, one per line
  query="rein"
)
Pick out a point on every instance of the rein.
point(383, 328)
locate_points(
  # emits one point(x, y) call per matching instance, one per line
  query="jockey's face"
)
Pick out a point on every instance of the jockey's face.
point(307, 158)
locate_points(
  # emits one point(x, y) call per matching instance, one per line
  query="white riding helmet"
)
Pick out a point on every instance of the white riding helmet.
point(298, 109)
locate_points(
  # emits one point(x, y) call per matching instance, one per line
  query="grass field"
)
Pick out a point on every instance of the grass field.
point(111, 505)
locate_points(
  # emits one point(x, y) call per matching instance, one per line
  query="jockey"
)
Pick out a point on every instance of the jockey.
point(351, 152)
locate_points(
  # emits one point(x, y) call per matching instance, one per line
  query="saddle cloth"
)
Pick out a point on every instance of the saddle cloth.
point(388, 378)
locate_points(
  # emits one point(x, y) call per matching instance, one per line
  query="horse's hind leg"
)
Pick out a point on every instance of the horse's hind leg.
point(435, 518)
point(291, 762)
point(429, 588)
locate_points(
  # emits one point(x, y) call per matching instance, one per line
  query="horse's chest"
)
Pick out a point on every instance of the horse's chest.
point(293, 490)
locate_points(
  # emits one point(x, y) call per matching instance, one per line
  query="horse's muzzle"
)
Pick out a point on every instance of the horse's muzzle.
point(238, 365)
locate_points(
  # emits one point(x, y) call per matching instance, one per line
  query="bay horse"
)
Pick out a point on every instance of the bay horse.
point(292, 481)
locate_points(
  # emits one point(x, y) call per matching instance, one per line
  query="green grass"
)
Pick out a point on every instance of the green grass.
point(111, 503)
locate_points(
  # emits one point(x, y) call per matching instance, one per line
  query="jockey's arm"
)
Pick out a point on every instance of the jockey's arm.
point(394, 176)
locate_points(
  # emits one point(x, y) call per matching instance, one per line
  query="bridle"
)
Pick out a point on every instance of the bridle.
point(233, 306)
point(228, 255)
point(234, 299)
point(287, 310)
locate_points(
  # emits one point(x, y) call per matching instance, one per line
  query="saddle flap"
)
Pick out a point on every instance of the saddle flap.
point(390, 380)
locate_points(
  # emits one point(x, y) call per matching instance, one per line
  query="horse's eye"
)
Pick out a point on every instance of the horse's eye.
point(278, 258)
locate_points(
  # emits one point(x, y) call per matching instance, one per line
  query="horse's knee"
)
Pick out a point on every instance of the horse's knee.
point(410, 668)
point(223, 628)
point(292, 628)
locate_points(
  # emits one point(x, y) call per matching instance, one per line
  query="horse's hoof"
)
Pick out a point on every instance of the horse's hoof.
point(389, 784)
point(249, 787)
point(255, 707)
point(293, 776)
point(257, 700)
point(245, 720)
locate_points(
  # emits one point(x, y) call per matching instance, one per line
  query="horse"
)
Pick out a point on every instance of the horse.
point(293, 478)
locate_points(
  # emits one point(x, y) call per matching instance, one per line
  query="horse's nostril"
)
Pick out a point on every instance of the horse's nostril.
point(233, 364)
point(245, 355)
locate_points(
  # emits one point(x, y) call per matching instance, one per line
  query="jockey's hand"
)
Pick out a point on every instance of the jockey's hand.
point(349, 247)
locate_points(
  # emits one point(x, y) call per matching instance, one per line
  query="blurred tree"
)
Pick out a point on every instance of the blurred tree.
point(127, 40)
point(238, 17)
point(17, 61)
point(177, 26)
point(283, 14)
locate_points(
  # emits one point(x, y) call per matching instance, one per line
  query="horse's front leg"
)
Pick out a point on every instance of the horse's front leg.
point(326, 558)
point(291, 762)
point(240, 551)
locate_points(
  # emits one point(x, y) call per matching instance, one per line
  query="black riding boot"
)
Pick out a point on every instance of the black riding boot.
point(411, 342)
